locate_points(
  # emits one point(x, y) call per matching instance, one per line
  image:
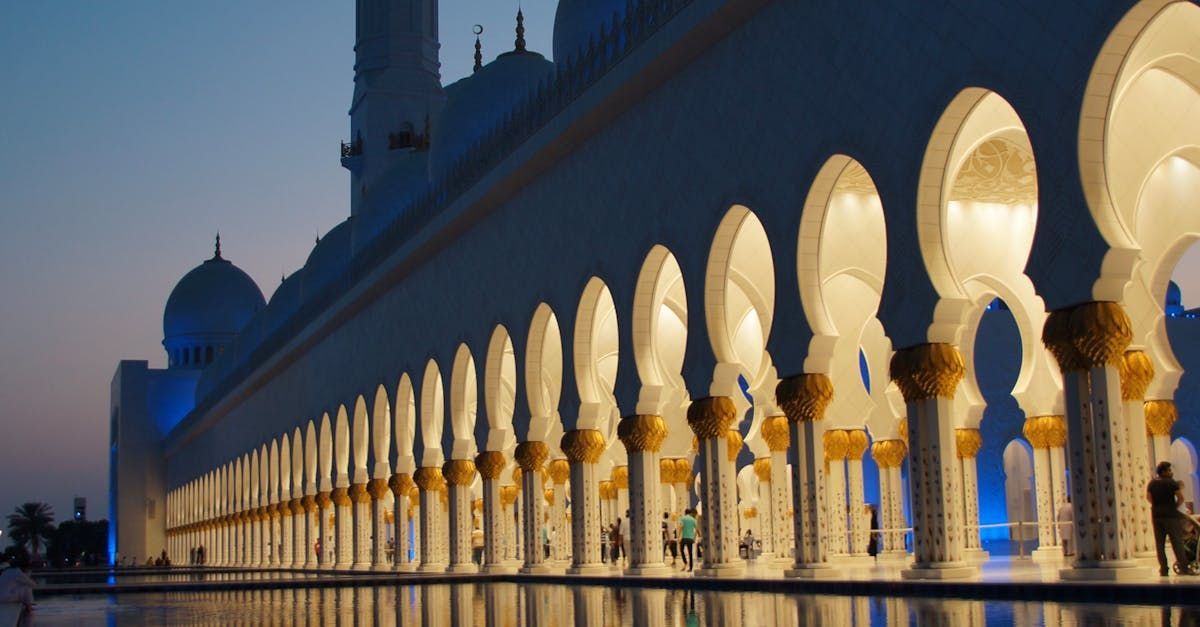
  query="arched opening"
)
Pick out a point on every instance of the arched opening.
point(341, 447)
point(298, 466)
point(544, 375)
point(596, 351)
point(660, 327)
point(325, 452)
point(310, 460)
point(285, 468)
point(406, 424)
point(433, 415)
point(500, 390)
point(360, 440)
point(1183, 463)
point(1019, 492)
point(464, 400)
point(381, 436)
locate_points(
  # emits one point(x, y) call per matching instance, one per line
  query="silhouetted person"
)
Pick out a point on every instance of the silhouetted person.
point(1165, 496)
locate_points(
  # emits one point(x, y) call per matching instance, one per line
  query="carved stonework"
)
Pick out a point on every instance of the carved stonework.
point(836, 444)
point(1087, 335)
point(531, 455)
point(583, 445)
point(856, 443)
point(711, 417)
point(804, 397)
point(560, 471)
point(490, 464)
point(459, 472)
point(927, 371)
point(998, 172)
point(1160, 417)
point(1136, 373)
point(775, 433)
point(642, 432)
point(1045, 431)
point(967, 443)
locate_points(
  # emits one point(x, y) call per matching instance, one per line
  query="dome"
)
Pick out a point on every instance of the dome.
point(210, 304)
point(1174, 304)
point(284, 302)
point(577, 22)
point(477, 104)
point(327, 260)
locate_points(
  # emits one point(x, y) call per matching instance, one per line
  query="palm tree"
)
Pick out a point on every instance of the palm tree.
point(30, 523)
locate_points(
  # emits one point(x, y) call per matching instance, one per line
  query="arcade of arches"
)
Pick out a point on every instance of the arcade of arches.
point(368, 484)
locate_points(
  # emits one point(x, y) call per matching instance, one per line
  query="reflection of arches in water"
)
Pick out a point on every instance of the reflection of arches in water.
point(1018, 489)
point(1183, 462)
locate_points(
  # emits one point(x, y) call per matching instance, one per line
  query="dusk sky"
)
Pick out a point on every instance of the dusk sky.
point(134, 130)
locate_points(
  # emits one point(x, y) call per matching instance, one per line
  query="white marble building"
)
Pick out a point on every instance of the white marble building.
point(725, 254)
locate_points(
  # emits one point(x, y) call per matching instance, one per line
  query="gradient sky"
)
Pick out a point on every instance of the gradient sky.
point(132, 131)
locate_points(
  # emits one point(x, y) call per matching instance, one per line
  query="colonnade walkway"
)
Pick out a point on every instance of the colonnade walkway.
point(999, 578)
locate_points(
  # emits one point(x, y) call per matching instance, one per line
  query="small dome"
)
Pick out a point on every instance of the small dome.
point(1174, 304)
point(284, 302)
point(327, 260)
point(477, 104)
point(577, 22)
point(210, 304)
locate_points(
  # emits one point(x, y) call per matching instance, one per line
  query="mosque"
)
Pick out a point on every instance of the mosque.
point(773, 260)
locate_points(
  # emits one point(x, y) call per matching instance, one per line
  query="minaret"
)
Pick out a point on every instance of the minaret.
point(397, 90)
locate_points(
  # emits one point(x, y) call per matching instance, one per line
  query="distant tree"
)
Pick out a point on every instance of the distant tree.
point(78, 542)
point(30, 524)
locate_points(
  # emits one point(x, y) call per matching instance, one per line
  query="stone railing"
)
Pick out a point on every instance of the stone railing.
point(615, 41)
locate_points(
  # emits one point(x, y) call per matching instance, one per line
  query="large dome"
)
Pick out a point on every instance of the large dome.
point(209, 306)
point(577, 22)
point(477, 104)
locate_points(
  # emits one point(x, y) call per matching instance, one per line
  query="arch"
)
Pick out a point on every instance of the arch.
point(381, 437)
point(1184, 463)
point(596, 349)
point(500, 390)
point(310, 460)
point(285, 467)
point(325, 454)
point(406, 424)
point(252, 482)
point(739, 306)
point(341, 447)
point(1138, 107)
point(433, 415)
point(660, 326)
point(266, 476)
point(299, 454)
point(543, 372)
point(360, 439)
point(464, 401)
point(1019, 493)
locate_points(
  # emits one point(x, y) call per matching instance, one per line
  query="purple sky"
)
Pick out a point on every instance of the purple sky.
point(133, 130)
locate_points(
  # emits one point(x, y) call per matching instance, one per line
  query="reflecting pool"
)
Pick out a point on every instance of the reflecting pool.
point(504, 604)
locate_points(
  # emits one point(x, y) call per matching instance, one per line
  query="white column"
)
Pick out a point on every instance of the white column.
point(889, 456)
point(1160, 416)
point(560, 542)
point(430, 481)
point(460, 474)
point(491, 465)
point(381, 496)
point(777, 435)
point(343, 522)
point(643, 436)
point(1046, 434)
point(583, 448)
point(1136, 373)
point(1088, 341)
point(287, 535)
point(711, 420)
point(837, 444)
point(928, 375)
point(804, 399)
point(766, 515)
point(967, 445)
point(860, 524)
point(530, 456)
point(401, 486)
point(361, 507)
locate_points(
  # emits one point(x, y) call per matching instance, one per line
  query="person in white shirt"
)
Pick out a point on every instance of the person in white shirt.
point(16, 586)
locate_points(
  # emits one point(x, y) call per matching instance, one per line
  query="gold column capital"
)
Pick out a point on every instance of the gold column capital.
point(762, 469)
point(620, 477)
point(459, 472)
point(359, 494)
point(1160, 417)
point(1137, 371)
point(642, 432)
point(711, 417)
point(400, 484)
point(1087, 335)
point(429, 479)
point(683, 470)
point(775, 433)
point(583, 445)
point(560, 471)
point(967, 443)
point(927, 371)
point(1045, 431)
point(804, 397)
point(733, 444)
point(531, 455)
point(490, 464)
point(340, 497)
point(856, 443)
point(889, 453)
point(836, 443)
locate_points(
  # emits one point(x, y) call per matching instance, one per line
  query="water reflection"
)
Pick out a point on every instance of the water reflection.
point(510, 605)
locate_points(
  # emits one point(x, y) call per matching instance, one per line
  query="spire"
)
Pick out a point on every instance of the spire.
point(478, 48)
point(520, 44)
point(217, 251)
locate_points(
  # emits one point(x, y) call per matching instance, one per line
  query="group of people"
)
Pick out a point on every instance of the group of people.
point(680, 539)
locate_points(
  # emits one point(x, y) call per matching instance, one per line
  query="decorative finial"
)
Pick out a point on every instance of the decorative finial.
point(478, 30)
point(217, 252)
point(520, 31)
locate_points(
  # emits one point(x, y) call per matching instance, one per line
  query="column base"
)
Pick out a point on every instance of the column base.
point(536, 569)
point(811, 571)
point(780, 562)
point(975, 555)
point(1115, 570)
point(590, 569)
point(893, 558)
point(1042, 555)
point(650, 570)
point(463, 568)
point(498, 569)
point(948, 570)
point(406, 567)
point(722, 570)
point(431, 568)
point(360, 566)
point(852, 561)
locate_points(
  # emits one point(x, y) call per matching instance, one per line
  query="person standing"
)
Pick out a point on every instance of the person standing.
point(1166, 495)
point(687, 535)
